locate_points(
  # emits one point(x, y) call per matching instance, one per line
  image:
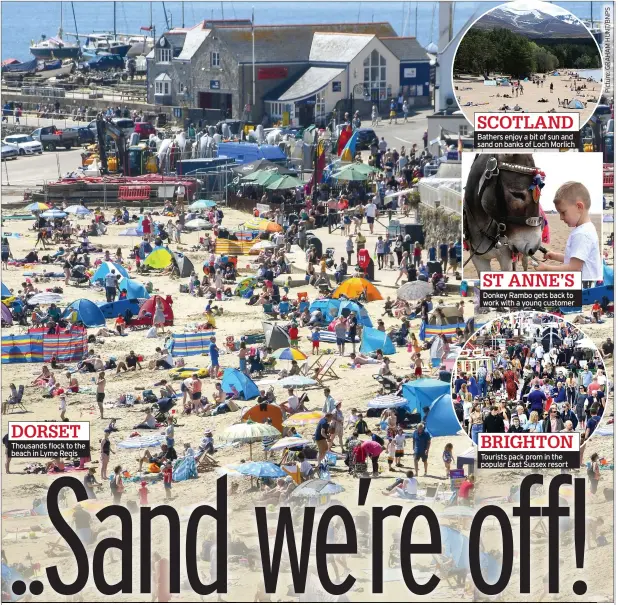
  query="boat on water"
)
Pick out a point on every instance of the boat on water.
point(55, 48)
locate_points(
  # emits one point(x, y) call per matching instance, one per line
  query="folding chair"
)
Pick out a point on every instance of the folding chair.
point(15, 401)
point(268, 309)
point(205, 463)
point(326, 371)
point(284, 308)
point(302, 305)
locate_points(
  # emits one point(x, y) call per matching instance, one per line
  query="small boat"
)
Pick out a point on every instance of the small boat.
point(53, 69)
point(55, 48)
point(140, 45)
point(104, 43)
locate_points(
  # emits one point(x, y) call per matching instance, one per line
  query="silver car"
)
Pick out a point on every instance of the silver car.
point(24, 144)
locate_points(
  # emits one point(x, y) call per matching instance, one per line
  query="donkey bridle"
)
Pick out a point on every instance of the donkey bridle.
point(492, 170)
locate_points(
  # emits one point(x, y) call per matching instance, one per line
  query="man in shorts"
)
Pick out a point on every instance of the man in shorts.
point(422, 442)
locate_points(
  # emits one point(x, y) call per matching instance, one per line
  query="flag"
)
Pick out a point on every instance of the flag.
point(146, 28)
point(347, 155)
point(344, 137)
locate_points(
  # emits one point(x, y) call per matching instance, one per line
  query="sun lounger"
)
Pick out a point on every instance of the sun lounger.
point(326, 371)
point(205, 463)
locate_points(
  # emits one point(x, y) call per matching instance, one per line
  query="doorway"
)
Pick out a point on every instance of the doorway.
point(216, 100)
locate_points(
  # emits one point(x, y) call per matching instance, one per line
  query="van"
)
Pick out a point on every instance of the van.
point(144, 129)
point(127, 126)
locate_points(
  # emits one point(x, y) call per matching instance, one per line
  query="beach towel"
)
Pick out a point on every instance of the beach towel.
point(330, 337)
point(184, 469)
point(137, 443)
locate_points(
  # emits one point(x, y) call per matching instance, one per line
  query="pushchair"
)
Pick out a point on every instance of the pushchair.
point(162, 410)
point(78, 276)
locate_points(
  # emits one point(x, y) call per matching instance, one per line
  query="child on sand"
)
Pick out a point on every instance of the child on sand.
point(315, 341)
point(390, 451)
point(143, 494)
point(418, 365)
point(167, 480)
point(447, 458)
point(400, 444)
point(572, 201)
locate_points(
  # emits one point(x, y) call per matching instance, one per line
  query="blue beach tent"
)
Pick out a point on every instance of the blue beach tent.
point(423, 392)
point(442, 420)
point(87, 312)
point(374, 339)
point(241, 382)
point(120, 307)
point(134, 288)
point(6, 293)
point(105, 268)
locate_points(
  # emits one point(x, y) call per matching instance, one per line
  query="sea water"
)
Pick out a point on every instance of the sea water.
point(595, 74)
point(91, 16)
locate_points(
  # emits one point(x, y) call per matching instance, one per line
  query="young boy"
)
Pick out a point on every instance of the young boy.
point(400, 444)
point(293, 332)
point(572, 201)
point(167, 480)
point(315, 341)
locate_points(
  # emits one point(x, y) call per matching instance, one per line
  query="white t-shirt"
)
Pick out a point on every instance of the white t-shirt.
point(305, 468)
point(410, 486)
point(293, 402)
point(583, 244)
point(467, 408)
point(371, 210)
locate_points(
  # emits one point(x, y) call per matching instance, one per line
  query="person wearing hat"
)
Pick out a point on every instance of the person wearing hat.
point(393, 112)
point(82, 522)
point(143, 494)
point(89, 482)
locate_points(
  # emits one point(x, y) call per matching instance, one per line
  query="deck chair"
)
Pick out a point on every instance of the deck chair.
point(293, 470)
point(445, 568)
point(205, 463)
point(268, 309)
point(284, 308)
point(302, 305)
point(15, 401)
point(326, 371)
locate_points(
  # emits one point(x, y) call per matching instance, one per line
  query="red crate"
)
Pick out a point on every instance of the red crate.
point(134, 193)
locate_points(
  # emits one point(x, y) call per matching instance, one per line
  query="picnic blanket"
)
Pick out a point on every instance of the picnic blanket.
point(136, 443)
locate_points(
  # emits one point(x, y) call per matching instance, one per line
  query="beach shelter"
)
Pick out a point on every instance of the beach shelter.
point(148, 309)
point(6, 293)
point(245, 287)
point(347, 306)
point(276, 336)
point(355, 287)
point(442, 420)
point(185, 266)
point(260, 412)
point(374, 339)
point(7, 318)
point(456, 546)
point(122, 307)
point(575, 104)
point(423, 392)
point(159, 258)
point(87, 312)
point(490, 83)
point(105, 268)
point(241, 382)
point(134, 288)
point(202, 204)
point(285, 182)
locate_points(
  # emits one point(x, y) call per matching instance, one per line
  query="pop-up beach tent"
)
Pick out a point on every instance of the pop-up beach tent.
point(276, 337)
point(6, 293)
point(134, 288)
point(260, 412)
point(7, 318)
point(159, 258)
point(423, 392)
point(185, 266)
point(149, 308)
point(374, 339)
point(106, 267)
point(575, 104)
point(241, 382)
point(88, 313)
point(442, 420)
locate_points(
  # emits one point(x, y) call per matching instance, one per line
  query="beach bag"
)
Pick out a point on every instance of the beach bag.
point(153, 468)
point(152, 333)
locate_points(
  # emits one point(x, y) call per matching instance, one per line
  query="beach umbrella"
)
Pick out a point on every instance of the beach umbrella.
point(202, 204)
point(355, 287)
point(288, 442)
point(54, 213)
point(78, 209)
point(316, 487)
point(285, 182)
point(302, 418)
point(414, 290)
point(249, 432)
point(352, 172)
point(261, 470)
point(289, 354)
point(296, 382)
point(264, 177)
point(45, 298)
point(36, 207)
point(262, 244)
point(198, 223)
point(387, 401)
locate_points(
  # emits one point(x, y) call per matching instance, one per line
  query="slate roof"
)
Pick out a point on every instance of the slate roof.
point(405, 49)
point(337, 47)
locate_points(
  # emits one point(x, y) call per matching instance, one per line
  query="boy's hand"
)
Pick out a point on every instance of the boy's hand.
point(548, 255)
point(542, 267)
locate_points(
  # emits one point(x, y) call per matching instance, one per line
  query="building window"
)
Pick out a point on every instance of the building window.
point(374, 71)
point(163, 85)
point(463, 130)
point(215, 59)
point(320, 103)
point(165, 55)
point(181, 88)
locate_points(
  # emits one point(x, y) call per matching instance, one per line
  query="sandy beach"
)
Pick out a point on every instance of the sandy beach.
point(474, 96)
point(31, 536)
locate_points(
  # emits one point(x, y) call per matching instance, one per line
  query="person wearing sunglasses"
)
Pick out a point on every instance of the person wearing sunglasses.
point(552, 423)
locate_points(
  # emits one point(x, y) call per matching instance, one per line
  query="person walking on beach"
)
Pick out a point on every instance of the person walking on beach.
point(106, 449)
point(101, 392)
point(404, 109)
point(116, 485)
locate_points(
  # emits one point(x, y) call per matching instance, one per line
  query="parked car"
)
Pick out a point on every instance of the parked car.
point(127, 125)
point(84, 133)
point(50, 137)
point(365, 137)
point(104, 62)
point(8, 152)
point(24, 144)
point(144, 129)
